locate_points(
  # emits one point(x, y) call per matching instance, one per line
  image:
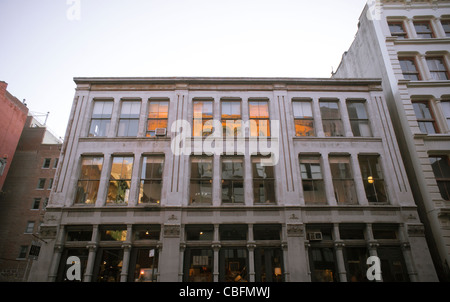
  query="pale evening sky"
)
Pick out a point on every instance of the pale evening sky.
point(44, 44)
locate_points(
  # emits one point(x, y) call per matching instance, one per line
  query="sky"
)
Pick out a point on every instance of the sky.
point(44, 44)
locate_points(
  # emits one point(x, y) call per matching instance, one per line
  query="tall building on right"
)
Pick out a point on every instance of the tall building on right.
point(407, 44)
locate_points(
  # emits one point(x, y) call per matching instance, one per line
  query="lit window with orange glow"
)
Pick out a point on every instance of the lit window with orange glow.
point(259, 118)
point(157, 117)
point(231, 118)
point(203, 115)
point(303, 118)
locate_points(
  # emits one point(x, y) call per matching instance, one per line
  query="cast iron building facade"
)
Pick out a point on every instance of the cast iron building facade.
point(407, 44)
point(231, 179)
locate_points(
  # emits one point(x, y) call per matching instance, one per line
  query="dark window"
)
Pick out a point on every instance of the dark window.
point(232, 180)
point(46, 164)
point(36, 204)
point(372, 177)
point(312, 180)
point(263, 181)
point(343, 182)
point(113, 234)
point(323, 264)
point(200, 232)
point(331, 118)
point(198, 265)
point(201, 180)
point(79, 235)
point(147, 232)
point(266, 232)
point(41, 183)
point(359, 120)
point(441, 169)
point(233, 232)
point(151, 179)
point(446, 26)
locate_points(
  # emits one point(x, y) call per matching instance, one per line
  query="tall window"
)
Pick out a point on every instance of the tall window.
point(409, 69)
point(129, 118)
point(157, 116)
point(344, 185)
point(231, 118)
point(358, 118)
point(441, 169)
point(101, 118)
point(331, 118)
point(120, 180)
point(89, 180)
point(425, 117)
point(397, 30)
point(303, 118)
point(232, 180)
point(372, 177)
point(259, 118)
point(46, 164)
point(446, 26)
point(446, 110)
point(263, 181)
point(201, 180)
point(312, 180)
point(203, 118)
point(424, 30)
point(151, 179)
point(438, 69)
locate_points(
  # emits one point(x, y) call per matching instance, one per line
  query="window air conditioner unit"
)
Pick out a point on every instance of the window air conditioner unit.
point(315, 236)
point(160, 131)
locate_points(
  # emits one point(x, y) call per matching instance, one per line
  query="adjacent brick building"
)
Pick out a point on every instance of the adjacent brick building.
point(25, 194)
point(13, 115)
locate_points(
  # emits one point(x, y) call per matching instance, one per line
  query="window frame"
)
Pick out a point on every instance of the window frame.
point(370, 182)
point(337, 120)
point(120, 181)
point(232, 180)
point(237, 129)
point(255, 120)
point(151, 179)
point(303, 119)
point(399, 35)
point(129, 119)
point(441, 179)
point(446, 29)
point(337, 180)
point(313, 159)
point(407, 73)
point(96, 161)
point(446, 111)
point(444, 71)
point(422, 121)
point(359, 119)
point(158, 119)
point(203, 119)
point(268, 182)
point(46, 163)
point(103, 117)
point(201, 181)
point(430, 30)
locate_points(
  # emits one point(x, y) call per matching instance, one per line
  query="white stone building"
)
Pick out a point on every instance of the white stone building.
point(407, 44)
point(131, 207)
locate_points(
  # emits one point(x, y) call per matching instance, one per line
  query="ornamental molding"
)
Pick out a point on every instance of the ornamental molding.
point(295, 230)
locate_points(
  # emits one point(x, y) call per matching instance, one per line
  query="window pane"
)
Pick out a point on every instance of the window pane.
point(231, 110)
point(102, 109)
point(201, 168)
point(158, 109)
point(329, 110)
point(130, 110)
point(258, 109)
point(446, 111)
point(304, 128)
point(200, 191)
point(99, 128)
point(232, 168)
point(150, 191)
point(302, 109)
point(333, 128)
point(357, 110)
point(152, 167)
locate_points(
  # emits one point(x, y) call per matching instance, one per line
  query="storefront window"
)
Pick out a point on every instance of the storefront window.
point(198, 265)
point(233, 265)
point(144, 265)
point(81, 253)
point(109, 265)
point(268, 265)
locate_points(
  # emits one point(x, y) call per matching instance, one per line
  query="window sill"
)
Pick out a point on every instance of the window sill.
point(436, 136)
